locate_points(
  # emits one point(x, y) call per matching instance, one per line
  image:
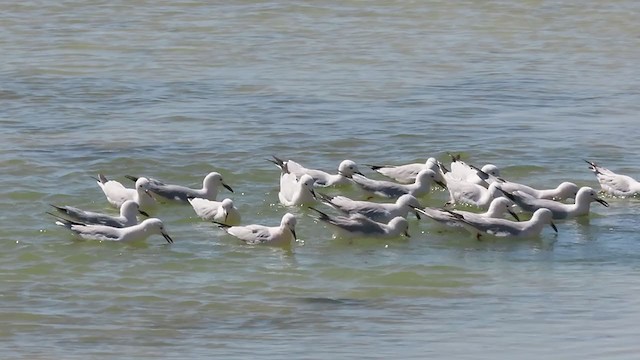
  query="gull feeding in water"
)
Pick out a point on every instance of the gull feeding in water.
point(346, 170)
point(581, 207)
point(422, 185)
point(117, 194)
point(614, 184)
point(406, 174)
point(507, 228)
point(219, 211)
point(379, 212)
point(132, 233)
point(281, 235)
point(358, 225)
point(181, 193)
point(128, 215)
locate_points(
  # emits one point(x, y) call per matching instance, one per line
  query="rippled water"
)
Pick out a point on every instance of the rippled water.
point(177, 89)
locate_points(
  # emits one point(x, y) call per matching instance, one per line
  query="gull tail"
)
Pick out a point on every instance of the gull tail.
point(60, 221)
point(455, 158)
point(281, 164)
point(594, 167)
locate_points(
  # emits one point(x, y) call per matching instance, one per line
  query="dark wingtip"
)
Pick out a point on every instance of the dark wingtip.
point(221, 225)
point(132, 178)
point(323, 216)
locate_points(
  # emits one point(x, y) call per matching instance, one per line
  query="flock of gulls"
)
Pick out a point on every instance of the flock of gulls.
point(382, 212)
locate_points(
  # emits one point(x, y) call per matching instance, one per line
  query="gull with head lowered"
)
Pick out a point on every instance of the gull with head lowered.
point(358, 225)
point(281, 235)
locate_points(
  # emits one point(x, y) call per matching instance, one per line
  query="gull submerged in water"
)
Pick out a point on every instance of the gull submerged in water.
point(379, 212)
point(584, 198)
point(182, 194)
point(117, 194)
point(254, 234)
point(406, 174)
point(358, 225)
point(219, 211)
point(128, 215)
point(132, 233)
point(614, 184)
point(508, 228)
point(346, 170)
point(420, 187)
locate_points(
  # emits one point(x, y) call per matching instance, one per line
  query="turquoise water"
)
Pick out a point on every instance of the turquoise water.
point(174, 90)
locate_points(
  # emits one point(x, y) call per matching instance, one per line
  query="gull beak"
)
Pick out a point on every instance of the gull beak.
point(146, 191)
point(417, 214)
point(143, 213)
point(295, 237)
point(226, 215)
point(313, 193)
point(359, 173)
point(442, 185)
point(553, 226)
point(406, 233)
point(167, 237)
point(515, 216)
point(602, 202)
point(227, 187)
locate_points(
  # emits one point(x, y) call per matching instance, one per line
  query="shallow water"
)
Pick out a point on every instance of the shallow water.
point(177, 89)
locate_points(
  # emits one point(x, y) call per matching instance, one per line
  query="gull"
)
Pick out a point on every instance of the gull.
point(358, 225)
point(346, 170)
point(507, 228)
point(132, 233)
point(421, 186)
point(465, 192)
point(465, 172)
point(497, 208)
point(566, 190)
point(182, 194)
point(583, 200)
point(254, 234)
point(295, 192)
point(117, 194)
point(614, 184)
point(380, 212)
point(406, 174)
point(128, 212)
point(219, 211)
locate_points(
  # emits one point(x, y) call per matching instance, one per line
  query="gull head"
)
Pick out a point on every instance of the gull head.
point(401, 225)
point(427, 176)
point(155, 226)
point(491, 170)
point(289, 221)
point(545, 216)
point(588, 194)
point(306, 181)
point(348, 168)
point(213, 180)
point(410, 201)
point(226, 205)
